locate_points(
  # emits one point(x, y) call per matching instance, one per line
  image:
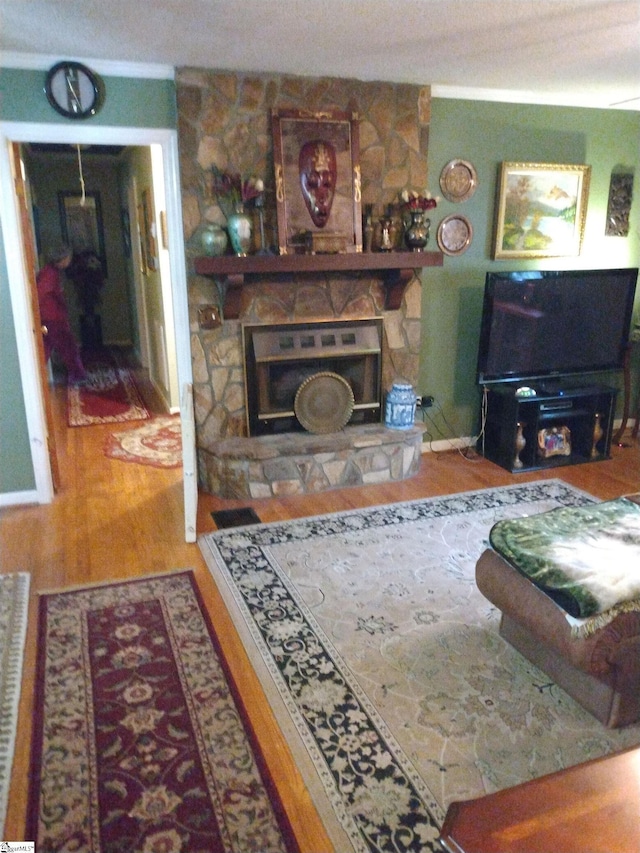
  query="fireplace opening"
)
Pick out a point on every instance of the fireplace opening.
point(279, 358)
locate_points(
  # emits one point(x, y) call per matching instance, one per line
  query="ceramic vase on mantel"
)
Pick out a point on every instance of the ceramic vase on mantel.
point(214, 240)
point(240, 228)
point(417, 234)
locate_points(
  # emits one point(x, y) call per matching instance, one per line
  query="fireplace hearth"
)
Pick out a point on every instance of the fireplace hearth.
point(297, 463)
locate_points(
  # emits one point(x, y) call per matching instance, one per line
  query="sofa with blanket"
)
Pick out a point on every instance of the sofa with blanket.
point(567, 583)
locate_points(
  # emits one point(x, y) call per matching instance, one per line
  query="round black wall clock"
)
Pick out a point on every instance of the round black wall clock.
point(73, 90)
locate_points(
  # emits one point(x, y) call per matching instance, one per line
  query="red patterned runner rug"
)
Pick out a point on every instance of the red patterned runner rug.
point(138, 741)
point(157, 443)
point(108, 395)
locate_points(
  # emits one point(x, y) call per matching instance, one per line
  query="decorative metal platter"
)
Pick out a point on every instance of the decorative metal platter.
point(458, 180)
point(324, 402)
point(454, 234)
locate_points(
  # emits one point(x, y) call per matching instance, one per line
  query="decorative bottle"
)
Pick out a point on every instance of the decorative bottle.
point(598, 432)
point(386, 243)
point(368, 227)
point(417, 234)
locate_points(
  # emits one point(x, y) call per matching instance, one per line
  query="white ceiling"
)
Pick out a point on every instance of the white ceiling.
point(574, 52)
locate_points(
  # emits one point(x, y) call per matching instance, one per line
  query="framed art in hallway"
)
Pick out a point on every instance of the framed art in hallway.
point(317, 181)
point(540, 210)
point(81, 223)
point(149, 232)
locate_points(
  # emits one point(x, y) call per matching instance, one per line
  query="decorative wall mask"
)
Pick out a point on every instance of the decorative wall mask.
point(317, 180)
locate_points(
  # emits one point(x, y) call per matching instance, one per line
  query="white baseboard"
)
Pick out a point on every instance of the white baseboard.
point(446, 444)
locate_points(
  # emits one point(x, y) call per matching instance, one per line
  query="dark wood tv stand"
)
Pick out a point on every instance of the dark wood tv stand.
point(567, 414)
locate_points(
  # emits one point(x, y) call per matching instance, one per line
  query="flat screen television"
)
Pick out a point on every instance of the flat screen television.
point(539, 324)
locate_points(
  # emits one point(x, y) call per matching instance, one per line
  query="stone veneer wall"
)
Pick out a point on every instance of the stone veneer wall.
point(225, 119)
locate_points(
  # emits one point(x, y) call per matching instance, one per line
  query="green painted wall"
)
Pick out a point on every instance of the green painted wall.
point(134, 102)
point(16, 471)
point(129, 102)
point(486, 134)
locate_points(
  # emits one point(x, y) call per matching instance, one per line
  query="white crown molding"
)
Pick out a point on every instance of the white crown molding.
point(105, 67)
point(513, 96)
point(111, 68)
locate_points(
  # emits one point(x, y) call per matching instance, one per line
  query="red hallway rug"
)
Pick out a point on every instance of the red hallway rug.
point(157, 443)
point(108, 395)
point(138, 740)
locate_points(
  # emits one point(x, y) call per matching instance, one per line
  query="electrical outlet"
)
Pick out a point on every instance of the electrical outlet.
point(425, 402)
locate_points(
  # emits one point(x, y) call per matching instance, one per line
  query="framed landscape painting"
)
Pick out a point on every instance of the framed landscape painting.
point(541, 210)
point(81, 223)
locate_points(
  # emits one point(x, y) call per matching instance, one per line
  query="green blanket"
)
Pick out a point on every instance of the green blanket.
point(586, 558)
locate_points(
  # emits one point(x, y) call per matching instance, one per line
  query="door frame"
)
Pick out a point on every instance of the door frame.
point(26, 132)
point(23, 190)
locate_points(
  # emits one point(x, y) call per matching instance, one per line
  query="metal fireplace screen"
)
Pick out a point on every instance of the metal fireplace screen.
point(280, 358)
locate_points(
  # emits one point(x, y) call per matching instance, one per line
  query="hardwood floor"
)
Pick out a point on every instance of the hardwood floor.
point(113, 520)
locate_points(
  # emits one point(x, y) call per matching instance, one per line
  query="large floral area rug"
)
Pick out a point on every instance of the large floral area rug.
point(138, 742)
point(384, 665)
point(157, 443)
point(108, 395)
point(14, 605)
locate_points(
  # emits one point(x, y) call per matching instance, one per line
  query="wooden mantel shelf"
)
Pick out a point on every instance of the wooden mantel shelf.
point(395, 269)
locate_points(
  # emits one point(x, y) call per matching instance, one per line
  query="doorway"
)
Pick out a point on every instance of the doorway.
point(106, 202)
point(176, 331)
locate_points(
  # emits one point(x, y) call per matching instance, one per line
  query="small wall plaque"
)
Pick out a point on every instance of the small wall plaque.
point(620, 197)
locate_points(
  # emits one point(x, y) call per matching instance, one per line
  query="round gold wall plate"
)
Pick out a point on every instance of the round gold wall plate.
point(454, 234)
point(458, 180)
point(324, 402)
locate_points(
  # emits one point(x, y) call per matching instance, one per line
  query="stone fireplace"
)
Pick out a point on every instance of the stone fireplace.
point(236, 465)
point(224, 120)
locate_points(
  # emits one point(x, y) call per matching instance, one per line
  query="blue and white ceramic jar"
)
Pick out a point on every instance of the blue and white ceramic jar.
point(400, 409)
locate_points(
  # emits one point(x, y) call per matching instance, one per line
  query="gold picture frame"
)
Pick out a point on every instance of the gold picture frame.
point(297, 233)
point(540, 210)
point(148, 232)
